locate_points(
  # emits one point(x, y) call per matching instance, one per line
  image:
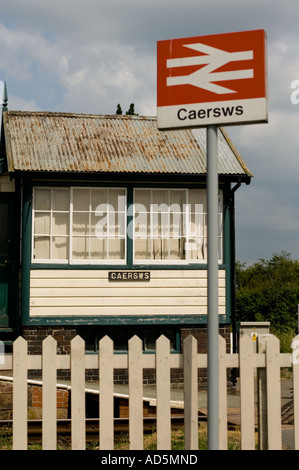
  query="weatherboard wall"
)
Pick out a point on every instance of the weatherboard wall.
point(90, 293)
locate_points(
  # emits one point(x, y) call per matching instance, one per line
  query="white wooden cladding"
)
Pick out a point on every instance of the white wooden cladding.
point(89, 293)
point(246, 360)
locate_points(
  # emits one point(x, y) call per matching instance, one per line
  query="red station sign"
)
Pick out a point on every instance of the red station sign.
point(212, 80)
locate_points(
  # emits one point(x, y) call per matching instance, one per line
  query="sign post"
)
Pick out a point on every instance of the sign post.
point(210, 81)
point(213, 322)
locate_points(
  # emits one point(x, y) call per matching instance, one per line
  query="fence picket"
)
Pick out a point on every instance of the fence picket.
point(49, 407)
point(135, 393)
point(262, 397)
point(190, 393)
point(163, 393)
point(222, 395)
point(295, 363)
point(78, 393)
point(106, 407)
point(247, 393)
point(20, 400)
point(273, 393)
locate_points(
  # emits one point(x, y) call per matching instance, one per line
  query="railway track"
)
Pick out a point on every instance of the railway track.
point(121, 426)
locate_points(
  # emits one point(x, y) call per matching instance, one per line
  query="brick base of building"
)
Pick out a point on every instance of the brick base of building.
point(35, 401)
point(64, 335)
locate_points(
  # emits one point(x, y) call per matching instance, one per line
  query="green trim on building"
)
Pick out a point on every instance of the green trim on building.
point(181, 320)
point(27, 266)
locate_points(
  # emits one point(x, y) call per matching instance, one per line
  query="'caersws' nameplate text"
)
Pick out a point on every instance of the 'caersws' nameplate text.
point(129, 276)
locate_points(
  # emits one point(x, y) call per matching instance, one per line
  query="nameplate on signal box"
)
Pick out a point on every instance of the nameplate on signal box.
point(129, 276)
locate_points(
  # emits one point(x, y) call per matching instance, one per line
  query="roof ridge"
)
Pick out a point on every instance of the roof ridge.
point(86, 115)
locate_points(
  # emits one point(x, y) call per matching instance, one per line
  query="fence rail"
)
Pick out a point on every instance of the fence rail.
point(269, 362)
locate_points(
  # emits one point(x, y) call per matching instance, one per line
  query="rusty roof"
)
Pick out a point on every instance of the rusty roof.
point(60, 142)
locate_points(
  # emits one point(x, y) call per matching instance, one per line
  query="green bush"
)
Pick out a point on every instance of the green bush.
point(269, 291)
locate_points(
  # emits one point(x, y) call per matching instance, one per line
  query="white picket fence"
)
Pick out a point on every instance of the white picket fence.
point(247, 361)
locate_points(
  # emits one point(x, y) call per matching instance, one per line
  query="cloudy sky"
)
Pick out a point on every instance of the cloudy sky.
point(88, 56)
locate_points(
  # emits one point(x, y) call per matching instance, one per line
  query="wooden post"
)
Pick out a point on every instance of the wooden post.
point(190, 393)
point(273, 393)
point(295, 363)
point(49, 407)
point(20, 400)
point(106, 394)
point(262, 397)
point(222, 395)
point(135, 393)
point(78, 393)
point(163, 393)
point(247, 394)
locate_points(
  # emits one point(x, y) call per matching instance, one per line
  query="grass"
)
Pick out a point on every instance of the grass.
point(177, 440)
point(5, 438)
point(122, 443)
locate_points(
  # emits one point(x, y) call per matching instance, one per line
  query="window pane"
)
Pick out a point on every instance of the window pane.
point(59, 248)
point(177, 198)
point(81, 199)
point(160, 197)
point(42, 223)
point(41, 248)
point(160, 249)
point(142, 222)
point(198, 225)
point(176, 228)
point(142, 249)
point(116, 249)
point(143, 198)
point(98, 248)
point(121, 201)
point(116, 199)
point(99, 225)
point(98, 197)
point(60, 224)
point(160, 223)
point(80, 223)
point(61, 199)
point(80, 249)
point(120, 225)
point(176, 248)
point(42, 199)
point(198, 196)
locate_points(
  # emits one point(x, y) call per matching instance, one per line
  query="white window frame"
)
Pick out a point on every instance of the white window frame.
point(50, 235)
point(70, 260)
point(186, 214)
point(104, 260)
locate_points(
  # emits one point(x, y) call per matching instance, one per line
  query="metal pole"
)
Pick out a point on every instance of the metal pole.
point(213, 321)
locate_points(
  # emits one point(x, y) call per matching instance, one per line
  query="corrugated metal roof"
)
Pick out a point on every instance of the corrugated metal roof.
point(59, 142)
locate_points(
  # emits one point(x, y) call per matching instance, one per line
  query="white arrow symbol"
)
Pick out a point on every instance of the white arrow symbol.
point(214, 59)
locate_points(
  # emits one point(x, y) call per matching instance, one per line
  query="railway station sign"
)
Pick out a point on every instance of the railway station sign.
point(219, 79)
